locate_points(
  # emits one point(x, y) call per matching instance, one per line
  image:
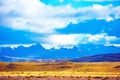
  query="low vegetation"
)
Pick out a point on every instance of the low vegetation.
point(44, 69)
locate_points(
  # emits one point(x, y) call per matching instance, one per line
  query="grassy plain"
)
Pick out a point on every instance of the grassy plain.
point(101, 69)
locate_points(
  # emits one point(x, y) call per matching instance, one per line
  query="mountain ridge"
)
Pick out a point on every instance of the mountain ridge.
point(115, 57)
point(39, 52)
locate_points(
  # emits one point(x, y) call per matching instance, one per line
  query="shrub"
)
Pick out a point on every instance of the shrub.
point(11, 66)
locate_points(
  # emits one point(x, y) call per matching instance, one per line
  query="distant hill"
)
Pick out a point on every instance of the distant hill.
point(39, 53)
point(99, 58)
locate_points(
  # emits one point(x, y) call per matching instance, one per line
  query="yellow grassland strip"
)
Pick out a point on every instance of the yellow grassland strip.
point(59, 73)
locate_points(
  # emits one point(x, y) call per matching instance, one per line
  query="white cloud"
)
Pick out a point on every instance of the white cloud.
point(115, 45)
point(62, 39)
point(61, 1)
point(17, 45)
point(70, 40)
point(35, 16)
point(102, 39)
point(116, 12)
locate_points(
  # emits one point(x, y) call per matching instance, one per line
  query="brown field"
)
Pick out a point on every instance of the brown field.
point(59, 71)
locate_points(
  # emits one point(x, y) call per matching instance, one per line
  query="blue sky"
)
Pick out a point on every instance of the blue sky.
point(60, 23)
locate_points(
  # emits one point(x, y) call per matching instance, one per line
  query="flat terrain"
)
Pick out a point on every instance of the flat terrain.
point(60, 71)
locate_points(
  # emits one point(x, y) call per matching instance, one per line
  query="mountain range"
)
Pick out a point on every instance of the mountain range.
point(99, 58)
point(39, 53)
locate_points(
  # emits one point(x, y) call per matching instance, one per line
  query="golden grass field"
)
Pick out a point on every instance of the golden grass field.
point(110, 69)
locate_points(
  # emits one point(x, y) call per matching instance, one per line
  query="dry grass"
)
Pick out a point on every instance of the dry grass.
point(60, 69)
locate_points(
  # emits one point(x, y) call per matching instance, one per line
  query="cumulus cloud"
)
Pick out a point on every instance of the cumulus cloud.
point(61, 1)
point(115, 45)
point(70, 40)
point(35, 16)
point(102, 39)
point(17, 45)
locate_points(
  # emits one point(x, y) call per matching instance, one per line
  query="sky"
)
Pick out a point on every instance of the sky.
point(59, 23)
